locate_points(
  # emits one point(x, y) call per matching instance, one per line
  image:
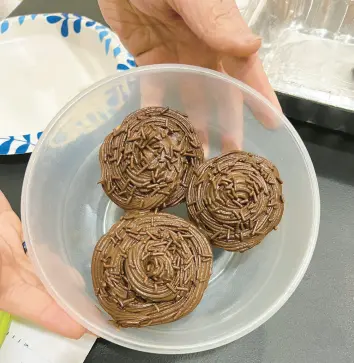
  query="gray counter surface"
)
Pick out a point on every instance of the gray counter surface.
point(317, 323)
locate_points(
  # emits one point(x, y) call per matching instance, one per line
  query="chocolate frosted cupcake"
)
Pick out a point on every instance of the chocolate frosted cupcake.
point(151, 269)
point(148, 162)
point(236, 199)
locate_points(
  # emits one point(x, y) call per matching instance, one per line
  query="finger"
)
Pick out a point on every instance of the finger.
point(41, 309)
point(196, 107)
point(230, 115)
point(219, 24)
point(134, 27)
point(10, 221)
point(250, 71)
point(152, 90)
point(4, 204)
point(120, 16)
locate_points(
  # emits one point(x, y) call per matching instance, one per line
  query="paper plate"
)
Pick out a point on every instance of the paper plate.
point(46, 60)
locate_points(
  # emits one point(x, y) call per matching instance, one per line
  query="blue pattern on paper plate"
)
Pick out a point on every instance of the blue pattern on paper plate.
point(18, 145)
point(68, 25)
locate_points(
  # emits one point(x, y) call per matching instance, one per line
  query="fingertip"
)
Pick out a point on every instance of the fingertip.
point(220, 25)
point(77, 334)
point(273, 99)
point(244, 47)
point(276, 103)
point(206, 150)
point(252, 39)
point(58, 321)
point(251, 72)
point(268, 120)
point(90, 333)
point(232, 45)
point(70, 328)
point(231, 144)
point(267, 116)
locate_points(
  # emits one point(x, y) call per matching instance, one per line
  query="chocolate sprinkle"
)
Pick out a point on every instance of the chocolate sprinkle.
point(161, 275)
point(236, 199)
point(149, 162)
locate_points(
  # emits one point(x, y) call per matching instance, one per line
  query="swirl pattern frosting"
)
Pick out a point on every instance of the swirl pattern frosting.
point(151, 269)
point(147, 163)
point(236, 199)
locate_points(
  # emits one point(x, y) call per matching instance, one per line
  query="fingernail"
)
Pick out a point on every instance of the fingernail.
point(89, 333)
point(252, 38)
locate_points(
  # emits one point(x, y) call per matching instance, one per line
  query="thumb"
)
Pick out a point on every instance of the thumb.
point(219, 24)
point(34, 304)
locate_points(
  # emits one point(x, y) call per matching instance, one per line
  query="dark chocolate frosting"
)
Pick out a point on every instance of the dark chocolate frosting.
point(151, 269)
point(147, 162)
point(236, 199)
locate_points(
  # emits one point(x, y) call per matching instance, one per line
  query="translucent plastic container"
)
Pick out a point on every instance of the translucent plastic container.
point(65, 212)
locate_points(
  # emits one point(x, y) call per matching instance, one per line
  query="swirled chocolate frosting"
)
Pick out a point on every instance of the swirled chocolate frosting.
point(151, 269)
point(147, 163)
point(236, 199)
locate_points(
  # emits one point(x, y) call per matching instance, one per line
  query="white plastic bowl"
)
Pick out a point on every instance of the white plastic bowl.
point(65, 212)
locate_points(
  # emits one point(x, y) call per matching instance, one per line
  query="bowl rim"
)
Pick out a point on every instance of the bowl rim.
point(217, 342)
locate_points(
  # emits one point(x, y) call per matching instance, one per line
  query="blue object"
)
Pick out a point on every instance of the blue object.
point(24, 246)
point(68, 25)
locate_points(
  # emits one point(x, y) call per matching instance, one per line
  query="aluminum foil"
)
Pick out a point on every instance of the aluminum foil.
point(308, 47)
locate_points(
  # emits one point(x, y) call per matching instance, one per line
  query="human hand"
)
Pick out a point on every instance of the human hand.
point(206, 33)
point(21, 292)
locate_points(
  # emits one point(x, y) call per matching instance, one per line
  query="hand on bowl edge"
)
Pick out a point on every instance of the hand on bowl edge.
point(21, 292)
point(210, 34)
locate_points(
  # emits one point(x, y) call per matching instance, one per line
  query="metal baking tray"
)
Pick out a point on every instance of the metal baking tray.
point(308, 55)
